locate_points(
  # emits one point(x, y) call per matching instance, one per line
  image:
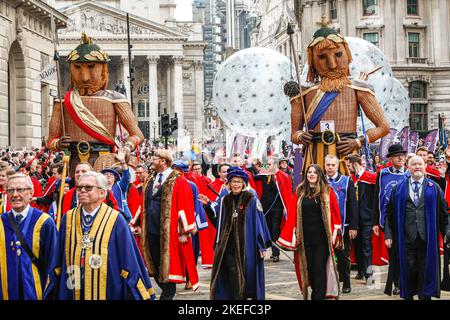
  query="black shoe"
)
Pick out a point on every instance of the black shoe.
point(359, 276)
point(346, 290)
point(276, 259)
point(396, 291)
point(271, 257)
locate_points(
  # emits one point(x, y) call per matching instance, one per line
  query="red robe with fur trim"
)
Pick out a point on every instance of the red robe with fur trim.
point(292, 239)
point(177, 218)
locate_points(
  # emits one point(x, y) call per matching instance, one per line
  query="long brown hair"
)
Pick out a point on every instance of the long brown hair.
point(322, 185)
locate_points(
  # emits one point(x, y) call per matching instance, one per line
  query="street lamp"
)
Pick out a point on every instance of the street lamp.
point(154, 132)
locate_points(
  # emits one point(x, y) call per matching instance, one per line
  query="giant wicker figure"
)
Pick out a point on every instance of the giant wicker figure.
point(331, 103)
point(91, 113)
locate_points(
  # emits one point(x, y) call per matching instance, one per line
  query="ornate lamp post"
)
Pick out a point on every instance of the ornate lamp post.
point(154, 132)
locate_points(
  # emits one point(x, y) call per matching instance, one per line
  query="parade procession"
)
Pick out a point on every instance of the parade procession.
point(321, 188)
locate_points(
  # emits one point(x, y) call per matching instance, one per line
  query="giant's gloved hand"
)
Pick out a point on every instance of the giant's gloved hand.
point(63, 142)
point(306, 138)
point(346, 146)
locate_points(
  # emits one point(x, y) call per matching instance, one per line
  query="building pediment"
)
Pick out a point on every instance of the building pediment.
point(102, 22)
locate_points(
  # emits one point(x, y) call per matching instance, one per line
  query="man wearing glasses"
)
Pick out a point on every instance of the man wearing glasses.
point(27, 244)
point(97, 257)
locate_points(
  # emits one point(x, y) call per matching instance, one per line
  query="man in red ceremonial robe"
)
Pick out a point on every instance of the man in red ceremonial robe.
point(219, 183)
point(167, 224)
point(367, 247)
point(208, 234)
point(275, 191)
point(135, 202)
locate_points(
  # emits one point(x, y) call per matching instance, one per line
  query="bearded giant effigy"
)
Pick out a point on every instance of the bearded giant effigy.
point(87, 124)
point(330, 103)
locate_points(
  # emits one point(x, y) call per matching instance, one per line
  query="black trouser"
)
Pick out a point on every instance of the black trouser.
point(396, 273)
point(273, 219)
point(316, 259)
point(363, 250)
point(168, 289)
point(416, 252)
point(343, 260)
point(230, 272)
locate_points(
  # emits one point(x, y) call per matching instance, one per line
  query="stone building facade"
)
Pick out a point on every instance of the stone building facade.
point(25, 48)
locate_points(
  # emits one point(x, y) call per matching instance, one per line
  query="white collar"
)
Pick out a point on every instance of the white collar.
point(92, 213)
point(420, 180)
point(165, 173)
point(402, 169)
point(335, 176)
point(24, 213)
point(361, 172)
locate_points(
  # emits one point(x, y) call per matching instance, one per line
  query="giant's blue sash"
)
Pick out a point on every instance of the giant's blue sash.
point(387, 181)
point(431, 272)
point(340, 188)
point(322, 107)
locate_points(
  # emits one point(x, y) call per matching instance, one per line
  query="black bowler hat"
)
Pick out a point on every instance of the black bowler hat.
point(395, 149)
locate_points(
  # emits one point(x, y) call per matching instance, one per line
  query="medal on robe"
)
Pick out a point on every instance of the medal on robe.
point(86, 241)
point(95, 261)
point(18, 252)
point(235, 214)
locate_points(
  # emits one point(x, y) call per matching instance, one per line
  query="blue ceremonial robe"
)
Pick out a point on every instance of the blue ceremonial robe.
point(433, 195)
point(340, 188)
point(121, 275)
point(120, 189)
point(39, 232)
point(256, 238)
point(387, 180)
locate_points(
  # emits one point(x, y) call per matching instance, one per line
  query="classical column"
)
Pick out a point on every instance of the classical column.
point(168, 64)
point(125, 75)
point(153, 91)
point(199, 99)
point(178, 90)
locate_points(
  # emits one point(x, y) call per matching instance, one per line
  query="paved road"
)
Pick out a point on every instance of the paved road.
point(281, 284)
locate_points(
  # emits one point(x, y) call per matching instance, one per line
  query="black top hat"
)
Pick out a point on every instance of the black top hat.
point(395, 149)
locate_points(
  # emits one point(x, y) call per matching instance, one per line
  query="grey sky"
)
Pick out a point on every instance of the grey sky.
point(183, 12)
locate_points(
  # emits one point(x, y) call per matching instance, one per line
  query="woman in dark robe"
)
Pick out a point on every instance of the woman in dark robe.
point(241, 241)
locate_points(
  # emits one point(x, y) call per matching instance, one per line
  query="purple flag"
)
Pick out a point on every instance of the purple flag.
point(431, 140)
point(404, 137)
point(298, 164)
point(385, 143)
point(413, 141)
